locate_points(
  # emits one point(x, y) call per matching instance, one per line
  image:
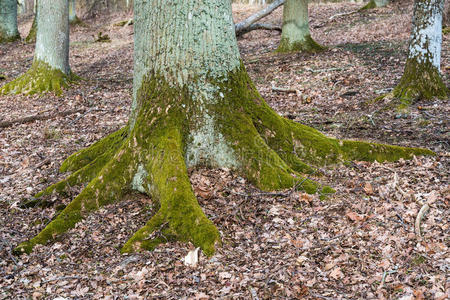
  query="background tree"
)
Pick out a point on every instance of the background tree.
point(375, 3)
point(73, 18)
point(8, 21)
point(194, 105)
point(295, 34)
point(421, 77)
point(31, 37)
point(50, 70)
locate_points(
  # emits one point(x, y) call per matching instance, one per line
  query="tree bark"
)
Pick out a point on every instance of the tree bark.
point(73, 18)
point(295, 34)
point(194, 105)
point(375, 3)
point(421, 77)
point(50, 70)
point(8, 21)
point(241, 27)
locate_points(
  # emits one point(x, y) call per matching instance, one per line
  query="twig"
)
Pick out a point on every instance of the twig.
point(44, 162)
point(385, 273)
point(62, 278)
point(343, 14)
point(33, 118)
point(419, 218)
point(81, 116)
point(258, 26)
point(257, 16)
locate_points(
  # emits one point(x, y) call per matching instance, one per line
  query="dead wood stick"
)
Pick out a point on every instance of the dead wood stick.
point(419, 218)
point(343, 14)
point(257, 16)
point(284, 90)
point(36, 117)
point(258, 26)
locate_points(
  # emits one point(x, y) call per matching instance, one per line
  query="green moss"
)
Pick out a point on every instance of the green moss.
point(306, 45)
point(87, 155)
point(419, 81)
point(369, 5)
point(445, 30)
point(40, 78)
point(9, 39)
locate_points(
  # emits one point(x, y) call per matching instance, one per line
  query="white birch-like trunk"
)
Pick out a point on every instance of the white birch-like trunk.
point(192, 44)
point(52, 38)
point(426, 37)
point(8, 21)
point(421, 77)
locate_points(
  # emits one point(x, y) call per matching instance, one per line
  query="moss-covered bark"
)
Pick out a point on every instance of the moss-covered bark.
point(420, 80)
point(151, 156)
point(295, 34)
point(374, 4)
point(40, 78)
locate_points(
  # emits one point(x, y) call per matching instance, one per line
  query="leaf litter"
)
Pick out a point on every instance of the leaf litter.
point(359, 243)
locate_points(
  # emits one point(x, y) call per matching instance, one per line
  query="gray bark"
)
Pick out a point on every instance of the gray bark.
point(191, 44)
point(8, 21)
point(426, 38)
point(52, 38)
point(295, 21)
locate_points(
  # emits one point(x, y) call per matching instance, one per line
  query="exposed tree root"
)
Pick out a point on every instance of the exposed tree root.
point(268, 150)
point(40, 78)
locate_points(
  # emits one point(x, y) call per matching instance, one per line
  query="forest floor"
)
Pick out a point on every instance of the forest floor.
point(360, 243)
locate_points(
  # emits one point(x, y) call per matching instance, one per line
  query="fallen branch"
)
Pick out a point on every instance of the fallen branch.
point(419, 218)
point(37, 117)
point(284, 90)
point(242, 26)
point(258, 26)
point(343, 14)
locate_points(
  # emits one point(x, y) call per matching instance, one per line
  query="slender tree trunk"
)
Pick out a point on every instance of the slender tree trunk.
point(295, 34)
point(73, 18)
point(31, 37)
point(193, 105)
point(421, 77)
point(375, 3)
point(8, 21)
point(50, 70)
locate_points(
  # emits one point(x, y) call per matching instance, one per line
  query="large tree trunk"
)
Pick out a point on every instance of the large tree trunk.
point(8, 21)
point(31, 37)
point(50, 70)
point(421, 78)
point(295, 34)
point(193, 105)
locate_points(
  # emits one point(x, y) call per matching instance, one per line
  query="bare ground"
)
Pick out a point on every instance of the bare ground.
point(360, 243)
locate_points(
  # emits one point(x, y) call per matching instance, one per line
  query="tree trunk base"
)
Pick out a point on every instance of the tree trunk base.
point(306, 45)
point(419, 81)
point(152, 158)
point(40, 78)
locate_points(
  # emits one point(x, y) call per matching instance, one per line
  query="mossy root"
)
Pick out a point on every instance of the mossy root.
point(40, 78)
point(107, 187)
point(180, 216)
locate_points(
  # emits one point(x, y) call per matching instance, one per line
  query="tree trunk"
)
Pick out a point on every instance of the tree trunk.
point(50, 70)
point(73, 18)
point(375, 3)
point(421, 77)
point(8, 21)
point(193, 105)
point(31, 37)
point(295, 34)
